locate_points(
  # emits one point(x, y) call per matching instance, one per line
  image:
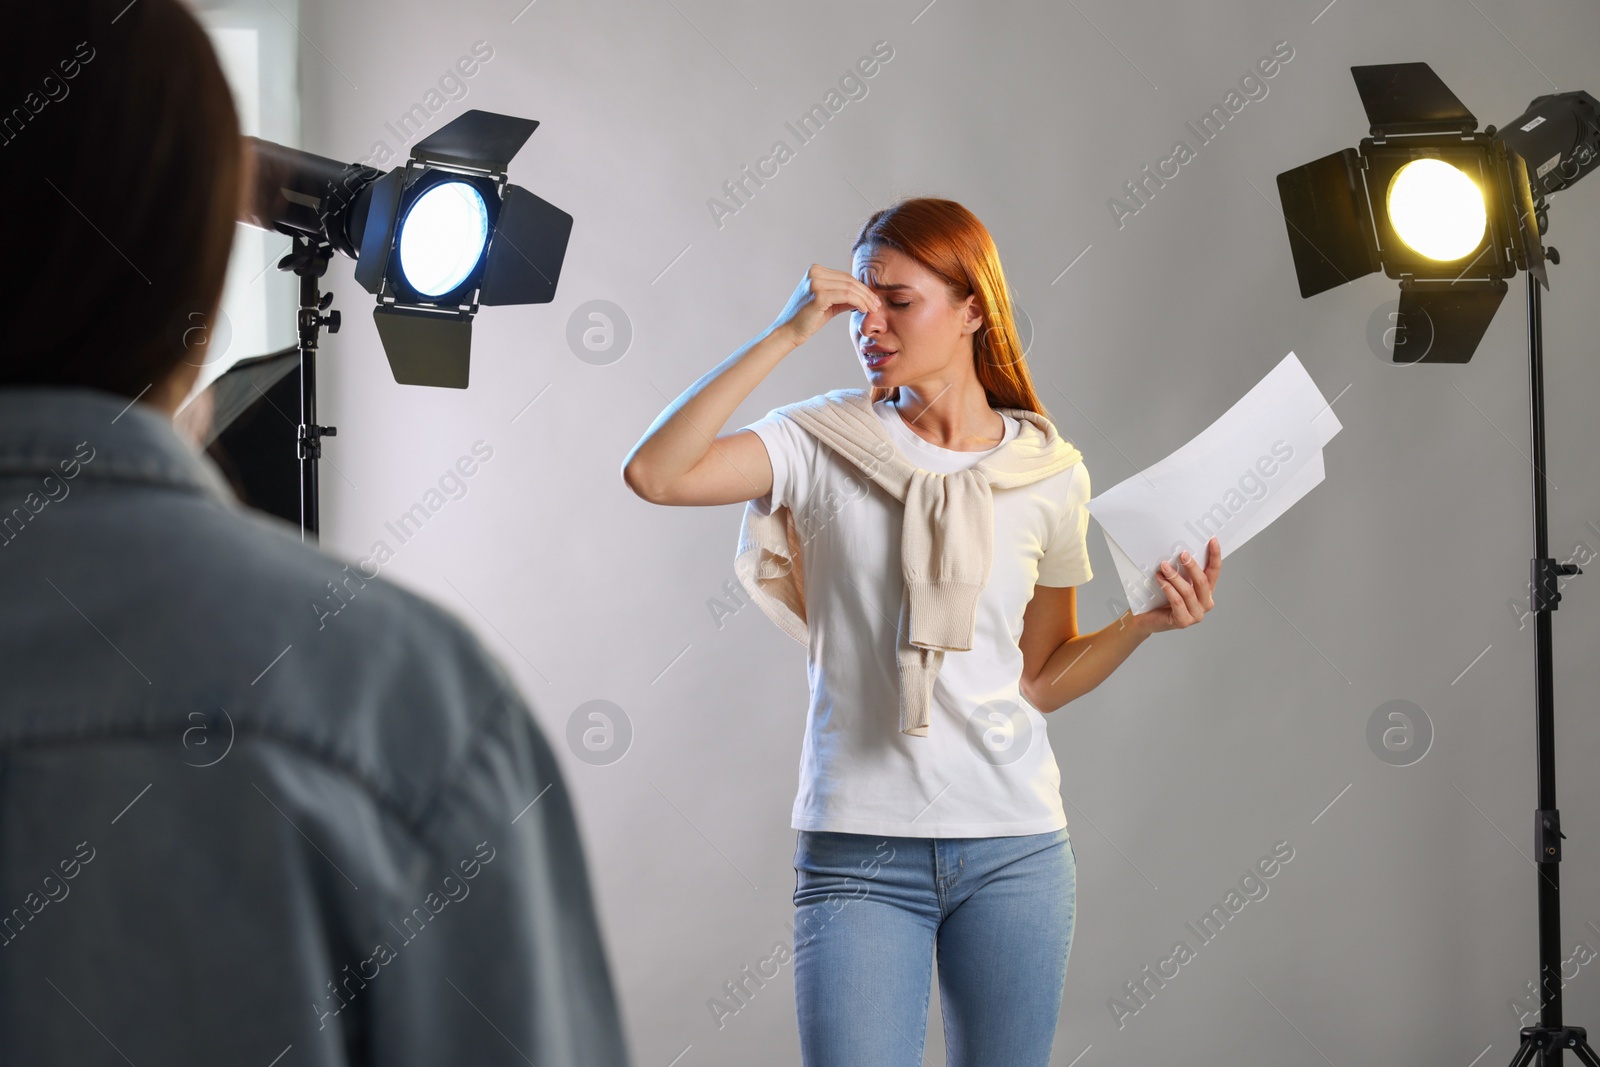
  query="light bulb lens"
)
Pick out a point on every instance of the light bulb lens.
point(442, 237)
point(1436, 209)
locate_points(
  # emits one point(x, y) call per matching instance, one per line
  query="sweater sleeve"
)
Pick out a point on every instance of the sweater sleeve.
point(1066, 554)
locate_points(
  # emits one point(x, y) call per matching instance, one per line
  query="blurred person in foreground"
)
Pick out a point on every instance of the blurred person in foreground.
point(233, 829)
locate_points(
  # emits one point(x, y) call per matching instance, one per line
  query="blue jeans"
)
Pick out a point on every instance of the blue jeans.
point(870, 913)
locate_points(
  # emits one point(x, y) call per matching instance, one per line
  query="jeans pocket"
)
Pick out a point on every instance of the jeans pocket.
point(839, 864)
point(799, 845)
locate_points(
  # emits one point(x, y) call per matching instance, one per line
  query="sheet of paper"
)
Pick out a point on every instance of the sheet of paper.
point(1231, 481)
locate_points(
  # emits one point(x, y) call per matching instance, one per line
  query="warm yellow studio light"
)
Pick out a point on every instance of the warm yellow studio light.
point(1436, 209)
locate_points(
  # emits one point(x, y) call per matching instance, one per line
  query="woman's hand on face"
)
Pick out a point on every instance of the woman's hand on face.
point(822, 294)
point(1189, 595)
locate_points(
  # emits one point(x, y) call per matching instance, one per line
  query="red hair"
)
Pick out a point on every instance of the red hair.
point(950, 242)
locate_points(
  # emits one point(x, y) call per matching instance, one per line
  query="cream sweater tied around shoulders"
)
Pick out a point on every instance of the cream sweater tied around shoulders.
point(946, 540)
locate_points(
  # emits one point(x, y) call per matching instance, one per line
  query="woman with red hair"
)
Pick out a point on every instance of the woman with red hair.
point(923, 537)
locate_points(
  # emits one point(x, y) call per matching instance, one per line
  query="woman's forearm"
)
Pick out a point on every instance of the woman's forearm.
point(1083, 662)
point(682, 434)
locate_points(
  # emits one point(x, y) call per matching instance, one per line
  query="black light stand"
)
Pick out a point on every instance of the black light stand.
point(1341, 226)
point(309, 260)
point(1551, 1036)
point(510, 253)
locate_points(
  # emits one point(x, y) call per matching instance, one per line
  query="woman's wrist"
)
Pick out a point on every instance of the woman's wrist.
point(781, 334)
point(1140, 624)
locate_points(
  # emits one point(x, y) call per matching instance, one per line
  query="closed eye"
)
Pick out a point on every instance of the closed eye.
point(891, 303)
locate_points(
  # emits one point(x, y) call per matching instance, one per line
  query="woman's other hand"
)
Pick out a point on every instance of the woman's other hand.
point(1189, 591)
point(822, 294)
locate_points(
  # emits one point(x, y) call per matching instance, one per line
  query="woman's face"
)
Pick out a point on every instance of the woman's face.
point(923, 332)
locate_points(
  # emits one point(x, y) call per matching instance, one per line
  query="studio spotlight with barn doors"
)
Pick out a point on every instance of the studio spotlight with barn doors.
point(1451, 213)
point(433, 240)
point(1445, 209)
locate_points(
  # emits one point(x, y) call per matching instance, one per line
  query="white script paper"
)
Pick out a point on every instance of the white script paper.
point(1230, 482)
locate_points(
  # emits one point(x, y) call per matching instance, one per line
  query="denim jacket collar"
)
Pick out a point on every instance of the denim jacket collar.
point(43, 429)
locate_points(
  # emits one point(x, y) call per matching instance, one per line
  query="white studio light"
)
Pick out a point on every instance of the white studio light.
point(443, 237)
point(433, 240)
point(1436, 209)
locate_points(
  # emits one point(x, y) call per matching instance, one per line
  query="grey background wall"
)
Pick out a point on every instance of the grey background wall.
point(1403, 928)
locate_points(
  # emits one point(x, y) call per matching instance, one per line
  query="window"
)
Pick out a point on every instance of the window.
point(257, 42)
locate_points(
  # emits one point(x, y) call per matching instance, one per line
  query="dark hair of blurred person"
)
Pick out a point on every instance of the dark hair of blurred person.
point(241, 778)
point(122, 149)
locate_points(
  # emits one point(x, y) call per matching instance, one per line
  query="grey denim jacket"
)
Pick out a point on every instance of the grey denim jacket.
point(237, 829)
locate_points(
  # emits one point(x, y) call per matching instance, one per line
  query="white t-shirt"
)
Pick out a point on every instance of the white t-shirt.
point(986, 768)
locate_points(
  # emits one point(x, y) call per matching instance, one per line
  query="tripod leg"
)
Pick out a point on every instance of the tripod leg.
point(1585, 1054)
point(1525, 1054)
